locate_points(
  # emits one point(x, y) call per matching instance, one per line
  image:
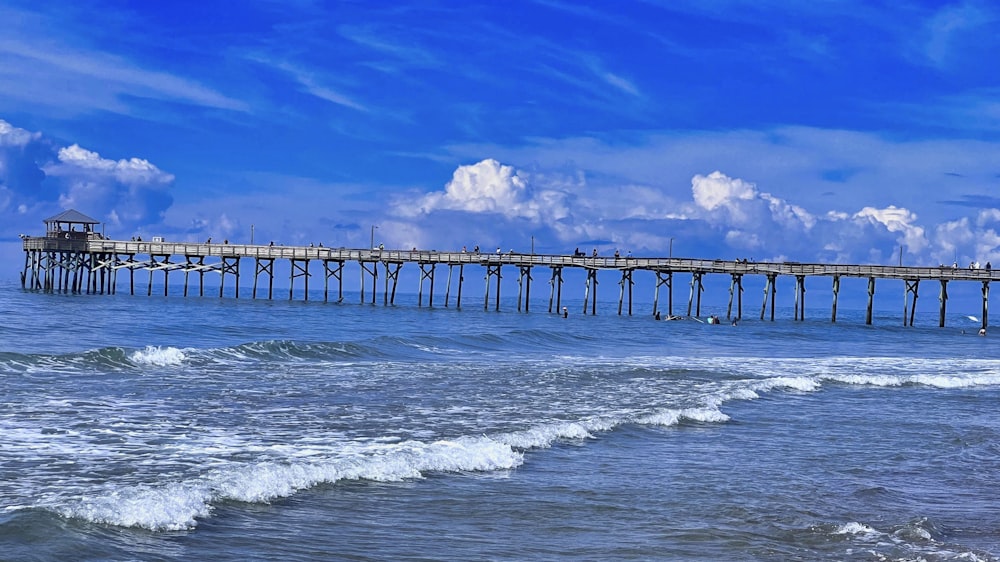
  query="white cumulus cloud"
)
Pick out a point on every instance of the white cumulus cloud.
point(133, 171)
point(898, 220)
point(740, 203)
point(719, 190)
point(491, 187)
point(14, 136)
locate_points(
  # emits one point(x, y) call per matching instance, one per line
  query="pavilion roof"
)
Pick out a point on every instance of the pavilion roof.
point(71, 216)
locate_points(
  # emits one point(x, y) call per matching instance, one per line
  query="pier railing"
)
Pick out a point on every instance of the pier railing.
point(510, 258)
point(99, 259)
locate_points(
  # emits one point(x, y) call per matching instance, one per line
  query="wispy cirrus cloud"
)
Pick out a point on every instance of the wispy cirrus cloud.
point(49, 64)
point(310, 82)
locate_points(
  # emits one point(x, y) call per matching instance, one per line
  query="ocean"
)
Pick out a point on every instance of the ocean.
point(200, 428)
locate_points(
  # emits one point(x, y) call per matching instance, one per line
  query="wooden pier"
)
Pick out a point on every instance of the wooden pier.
point(72, 257)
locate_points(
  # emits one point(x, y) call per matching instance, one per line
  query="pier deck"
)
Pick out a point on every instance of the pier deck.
point(61, 262)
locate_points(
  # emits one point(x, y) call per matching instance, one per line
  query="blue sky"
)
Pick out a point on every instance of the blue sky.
point(809, 131)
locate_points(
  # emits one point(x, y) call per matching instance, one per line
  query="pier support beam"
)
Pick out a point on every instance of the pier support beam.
point(492, 271)
point(669, 282)
point(152, 267)
point(943, 299)
point(836, 291)
point(300, 268)
point(626, 281)
point(336, 272)
point(426, 272)
point(131, 276)
point(447, 287)
point(24, 272)
point(389, 297)
point(696, 289)
point(555, 287)
point(735, 286)
point(266, 265)
point(369, 268)
point(871, 300)
point(986, 303)
point(591, 278)
point(800, 297)
point(772, 288)
point(911, 287)
point(524, 280)
point(231, 265)
point(114, 264)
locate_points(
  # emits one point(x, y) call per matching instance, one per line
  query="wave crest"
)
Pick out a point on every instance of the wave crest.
point(178, 506)
point(158, 356)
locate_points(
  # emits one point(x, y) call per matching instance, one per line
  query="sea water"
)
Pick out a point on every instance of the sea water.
point(200, 428)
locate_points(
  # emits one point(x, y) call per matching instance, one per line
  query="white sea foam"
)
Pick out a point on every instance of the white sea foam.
point(855, 528)
point(545, 435)
point(178, 506)
point(158, 356)
point(932, 380)
point(168, 507)
point(801, 384)
point(914, 540)
point(675, 416)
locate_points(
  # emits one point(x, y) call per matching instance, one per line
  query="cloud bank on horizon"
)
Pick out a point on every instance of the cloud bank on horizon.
point(837, 132)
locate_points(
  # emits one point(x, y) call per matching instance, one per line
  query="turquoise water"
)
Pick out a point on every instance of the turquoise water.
point(171, 428)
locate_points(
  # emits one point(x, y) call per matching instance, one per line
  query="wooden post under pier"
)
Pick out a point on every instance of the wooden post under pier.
point(447, 287)
point(943, 300)
point(492, 271)
point(524, 279)
point(266, 265)
point(986, 303)
point(911, 287)
point(696, 289)
point(394, 275)
point(231, 265)
point(871, 300)
point(770, 288)
point(300, 268)
point(735, 286)
point(591, 278)
point(428, 274)
point(369, 267)
point(555, 287)
point(800, 297)
point(836, 291)
point(626, 280)
point(669, 282)
point(336, 272)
